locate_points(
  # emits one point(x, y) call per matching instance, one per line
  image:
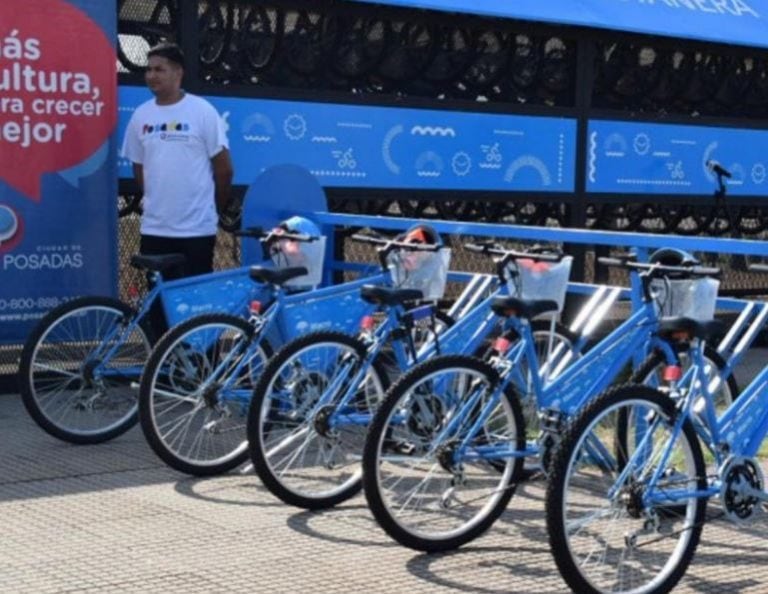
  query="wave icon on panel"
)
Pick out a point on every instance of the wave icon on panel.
point(257, 128)
point(528, 162)
point(429, 164)
point(592, 156)
point(9, 224)
point(433, 131)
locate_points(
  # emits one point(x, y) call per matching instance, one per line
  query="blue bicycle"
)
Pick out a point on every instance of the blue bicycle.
point(459, 423)
point(314, 401)
point(198, 382)
point(630, 519)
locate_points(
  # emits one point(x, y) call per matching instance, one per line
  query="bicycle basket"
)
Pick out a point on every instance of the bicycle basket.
point(310, 254)
point(421, 270)
point(536, 280)
point(688, 298)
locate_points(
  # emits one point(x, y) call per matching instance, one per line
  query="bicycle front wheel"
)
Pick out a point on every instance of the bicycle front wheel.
point(78, 367)
point(626, 519)
point(305, 445)
point(442, 457)
point(195, 392)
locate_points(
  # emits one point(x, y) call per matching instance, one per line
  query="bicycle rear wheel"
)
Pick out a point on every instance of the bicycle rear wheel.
point(195, 392)
point(303, 451)
point(426, 489)
point(610, 529)
point(68, 385)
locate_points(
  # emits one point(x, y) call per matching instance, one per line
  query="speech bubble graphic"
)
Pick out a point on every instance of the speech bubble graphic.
point(9, 228)
point(88, 167)
point(57, 75)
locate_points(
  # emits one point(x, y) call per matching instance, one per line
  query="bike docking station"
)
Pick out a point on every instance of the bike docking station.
point(283, 191)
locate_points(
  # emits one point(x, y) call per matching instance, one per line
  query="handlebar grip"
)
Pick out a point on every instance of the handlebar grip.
point(706, 271)
point(611, 261)
point(477, 248)
point(368, 238)
point(758, 267)
point(249, 232)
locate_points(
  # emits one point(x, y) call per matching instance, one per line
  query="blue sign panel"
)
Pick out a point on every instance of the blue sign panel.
point(743, 22)
point(57, 168)
point(364, 146)
point(630, 157)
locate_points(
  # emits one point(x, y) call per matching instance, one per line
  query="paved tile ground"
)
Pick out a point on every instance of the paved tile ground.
point(112, 517)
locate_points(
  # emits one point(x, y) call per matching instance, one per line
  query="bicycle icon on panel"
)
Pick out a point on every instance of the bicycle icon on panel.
point(345, 159)
point(492, 153)
point(676, 170)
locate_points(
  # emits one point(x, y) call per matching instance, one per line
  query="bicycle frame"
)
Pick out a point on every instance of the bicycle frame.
point(264, 323)
point(117, 335)
point(465, 336)
point(576, 384)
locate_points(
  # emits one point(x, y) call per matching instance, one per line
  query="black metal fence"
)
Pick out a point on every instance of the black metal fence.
point(341, 51)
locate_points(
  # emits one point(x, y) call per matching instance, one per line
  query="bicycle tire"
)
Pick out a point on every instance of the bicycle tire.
point(70, 387)
point(214, 33)
point(194, 429)
point(591, 532)
point(404, 426)
point(283, 406)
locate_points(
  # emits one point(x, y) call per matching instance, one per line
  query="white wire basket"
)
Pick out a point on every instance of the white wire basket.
point(689, 298)
point(425, 271)
point(536, 280)
point(286, 253)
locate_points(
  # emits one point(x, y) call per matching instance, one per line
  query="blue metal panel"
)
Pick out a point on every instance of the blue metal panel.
point(742, 22)
point(228, 291)
point(368, 146)
point(631, 157)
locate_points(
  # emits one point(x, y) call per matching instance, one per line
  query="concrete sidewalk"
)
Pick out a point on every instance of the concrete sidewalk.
point(112, 518)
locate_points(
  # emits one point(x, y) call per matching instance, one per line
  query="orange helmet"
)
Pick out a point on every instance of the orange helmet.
point(422, 234)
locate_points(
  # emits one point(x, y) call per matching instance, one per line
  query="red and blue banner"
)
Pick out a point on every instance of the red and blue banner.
point(57, 156)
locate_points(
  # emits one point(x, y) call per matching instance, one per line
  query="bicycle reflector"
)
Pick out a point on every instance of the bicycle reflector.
point(255, 307)
point(367, 323)
point(672, 373)
point(501, 345)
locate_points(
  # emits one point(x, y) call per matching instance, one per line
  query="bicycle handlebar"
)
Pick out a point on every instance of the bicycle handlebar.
point(390, 244)
point(656, 269)
point(539, 256)
point(270, 236)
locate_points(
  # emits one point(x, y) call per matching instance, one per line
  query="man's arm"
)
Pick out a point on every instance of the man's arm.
point(138, 175)
point(222, 175)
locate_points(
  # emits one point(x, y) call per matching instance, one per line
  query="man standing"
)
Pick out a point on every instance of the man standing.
point(179, 150)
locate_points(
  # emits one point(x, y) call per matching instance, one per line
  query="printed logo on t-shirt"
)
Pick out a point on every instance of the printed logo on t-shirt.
point(167, 130)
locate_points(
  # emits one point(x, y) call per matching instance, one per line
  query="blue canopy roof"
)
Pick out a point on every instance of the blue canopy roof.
point(740, 22)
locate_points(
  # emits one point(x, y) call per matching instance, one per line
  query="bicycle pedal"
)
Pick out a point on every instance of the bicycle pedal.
point(400, 447)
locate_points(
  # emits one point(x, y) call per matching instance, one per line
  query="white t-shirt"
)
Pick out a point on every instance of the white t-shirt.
point(175, 144)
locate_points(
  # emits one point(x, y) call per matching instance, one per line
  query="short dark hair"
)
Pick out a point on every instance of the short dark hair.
point(169, 51)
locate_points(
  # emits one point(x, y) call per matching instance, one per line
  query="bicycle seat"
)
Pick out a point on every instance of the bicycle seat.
point(670, 327)
point(506, 306)
point(276, 276)
point(156, 263)
point(387, 296)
